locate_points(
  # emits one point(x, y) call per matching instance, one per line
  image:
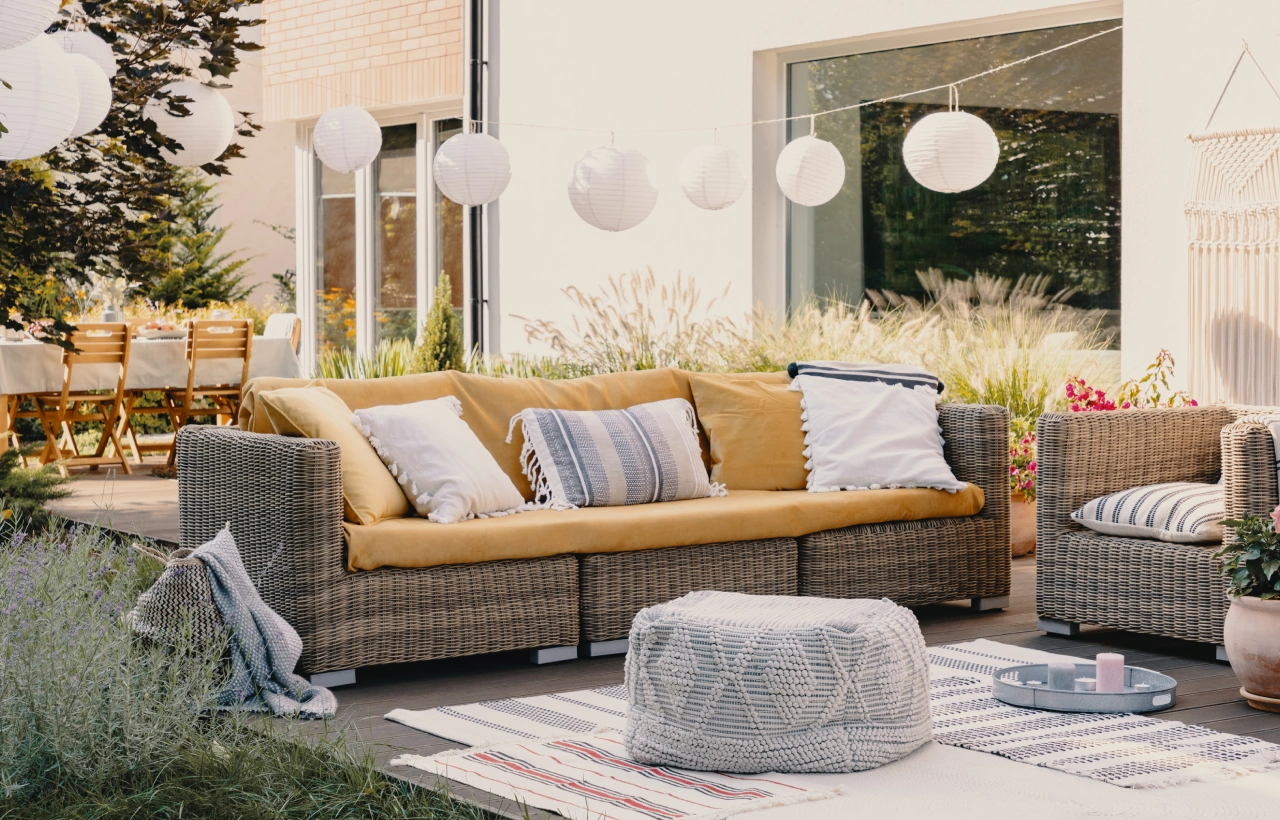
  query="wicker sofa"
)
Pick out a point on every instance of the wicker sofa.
point(1174, 590)
point(283, 498)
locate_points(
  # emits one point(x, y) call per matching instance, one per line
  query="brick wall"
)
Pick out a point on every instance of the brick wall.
point(374, 53)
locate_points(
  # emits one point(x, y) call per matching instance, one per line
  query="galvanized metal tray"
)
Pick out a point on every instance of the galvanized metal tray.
point(1144, 690)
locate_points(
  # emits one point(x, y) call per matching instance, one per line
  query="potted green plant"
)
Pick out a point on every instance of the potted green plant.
point(1022, 487)
point(1251, 563)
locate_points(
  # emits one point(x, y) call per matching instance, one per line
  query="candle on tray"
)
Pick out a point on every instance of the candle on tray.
point(1110, 672)
point(1086, 684)
point(1062, 675)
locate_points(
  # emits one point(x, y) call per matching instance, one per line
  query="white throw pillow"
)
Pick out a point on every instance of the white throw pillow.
point(443, 469)
point(870, 436)
point(1181, 513)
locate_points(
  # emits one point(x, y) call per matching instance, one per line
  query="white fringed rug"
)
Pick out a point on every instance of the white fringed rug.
point(564, 753)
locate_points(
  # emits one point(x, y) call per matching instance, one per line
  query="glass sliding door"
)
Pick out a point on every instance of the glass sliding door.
point(335, 261)
point(395, 289)
point(448, 226)
point(1051, 208)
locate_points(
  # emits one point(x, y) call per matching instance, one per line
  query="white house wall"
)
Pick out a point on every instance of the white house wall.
point(602, 64)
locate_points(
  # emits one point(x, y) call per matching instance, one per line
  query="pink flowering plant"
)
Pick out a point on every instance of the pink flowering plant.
point(1251, 561)
point(1022, 459)
point(1151, 390)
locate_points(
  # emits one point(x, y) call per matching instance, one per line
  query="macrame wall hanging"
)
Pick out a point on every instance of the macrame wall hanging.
point(1233, 261)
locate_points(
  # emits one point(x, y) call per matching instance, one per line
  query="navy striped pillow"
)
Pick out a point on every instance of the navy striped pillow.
point(900, 374)
point(1180, 513)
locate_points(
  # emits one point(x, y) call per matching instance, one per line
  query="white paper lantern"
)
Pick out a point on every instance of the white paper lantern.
point(204, 134)
point(472, 169)
point(347, 138)
point(41, 107)
point(810, 171)
point(22, 20)
point(91, 46)
point(711, 177)
point(611, 189)
point(95, 94)
point(950, 151)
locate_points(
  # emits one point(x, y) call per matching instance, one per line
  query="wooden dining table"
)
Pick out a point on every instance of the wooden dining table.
point(30, 366)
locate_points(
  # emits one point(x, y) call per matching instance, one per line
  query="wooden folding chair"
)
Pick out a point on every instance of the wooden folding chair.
point(102, 343)
point(284, 326)
point(208, 340)
point(14, 411)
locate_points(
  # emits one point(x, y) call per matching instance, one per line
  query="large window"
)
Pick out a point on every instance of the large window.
point(397, 284)
point(335, 260)
point(1052, 206)
point(449, 226)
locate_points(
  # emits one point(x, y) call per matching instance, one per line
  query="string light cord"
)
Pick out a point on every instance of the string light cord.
point(952, 87)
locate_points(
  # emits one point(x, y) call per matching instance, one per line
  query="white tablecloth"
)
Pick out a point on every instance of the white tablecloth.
point(154, 364)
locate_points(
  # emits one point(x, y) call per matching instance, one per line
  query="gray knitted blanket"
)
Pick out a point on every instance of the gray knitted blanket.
point(264, 648)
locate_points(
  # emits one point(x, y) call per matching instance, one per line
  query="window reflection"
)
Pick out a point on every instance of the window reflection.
point(448, 225)
point(335, 260)
point(397, 242)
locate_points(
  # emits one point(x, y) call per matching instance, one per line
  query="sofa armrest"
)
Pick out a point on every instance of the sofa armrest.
point(1085, 455)
point(977, 448)
point(283, 499)
point(1249, 469)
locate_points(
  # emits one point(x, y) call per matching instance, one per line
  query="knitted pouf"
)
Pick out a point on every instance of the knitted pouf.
point(721, 681)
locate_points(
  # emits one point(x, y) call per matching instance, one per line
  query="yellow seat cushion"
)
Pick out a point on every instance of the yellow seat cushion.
point(754, 430)
point(369, 493)
point(743, 515)
point(489, 403)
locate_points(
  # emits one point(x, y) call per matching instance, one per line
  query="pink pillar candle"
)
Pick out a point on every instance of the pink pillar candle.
point(1110, 672)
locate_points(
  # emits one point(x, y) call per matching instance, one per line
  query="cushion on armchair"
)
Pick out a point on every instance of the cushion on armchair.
point(1183, 512)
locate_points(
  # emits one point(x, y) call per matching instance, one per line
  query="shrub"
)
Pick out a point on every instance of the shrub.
point(24, 491)
point(441, 347)
point(392, 357)
point(1251, 561)
point(99, 724)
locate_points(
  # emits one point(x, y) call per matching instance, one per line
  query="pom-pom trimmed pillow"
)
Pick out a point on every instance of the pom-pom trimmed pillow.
point(1181, 513)
point(611, 458)
point(863, 435)
point(443, 469)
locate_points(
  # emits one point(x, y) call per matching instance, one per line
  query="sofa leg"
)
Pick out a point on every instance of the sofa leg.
point(989, 603)
point(343, 677)
point(1054, 626)
point(1220, 653)
point(553, 654)
point(598, 649)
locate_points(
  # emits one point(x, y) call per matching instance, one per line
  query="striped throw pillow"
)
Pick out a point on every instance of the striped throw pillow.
point(900, 374)
point(1181, 513)
point(610, 458)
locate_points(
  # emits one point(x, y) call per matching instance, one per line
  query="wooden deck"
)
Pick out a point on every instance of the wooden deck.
point(1208, 691)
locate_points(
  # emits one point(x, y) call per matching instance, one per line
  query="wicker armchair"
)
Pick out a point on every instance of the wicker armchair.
point(1141, 585)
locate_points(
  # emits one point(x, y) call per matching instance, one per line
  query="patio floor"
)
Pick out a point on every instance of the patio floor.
point(1208, 691)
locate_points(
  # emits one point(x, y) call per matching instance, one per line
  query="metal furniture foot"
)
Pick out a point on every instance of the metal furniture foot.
point(598, 649)
point(553, 654)
point(1054, 626)
point(343, 677)
point(989, 603)
point(1220, 653)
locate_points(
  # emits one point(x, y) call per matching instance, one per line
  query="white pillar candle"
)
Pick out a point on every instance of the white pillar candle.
point(1062, 676)
point(1110, 672)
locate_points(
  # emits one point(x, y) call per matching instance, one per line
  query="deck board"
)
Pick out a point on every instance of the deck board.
point(1208, 692)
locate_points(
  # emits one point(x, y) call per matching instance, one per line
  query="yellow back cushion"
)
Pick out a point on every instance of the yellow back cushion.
point(369, 493)
point(754, 428)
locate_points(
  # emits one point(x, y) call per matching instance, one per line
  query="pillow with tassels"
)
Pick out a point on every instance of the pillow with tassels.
point(610, 458)
point(442, 468)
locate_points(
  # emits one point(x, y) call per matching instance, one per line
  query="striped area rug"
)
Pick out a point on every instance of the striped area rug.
point(563, 752)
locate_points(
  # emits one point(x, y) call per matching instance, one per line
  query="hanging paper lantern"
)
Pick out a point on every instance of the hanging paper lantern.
point(347, 138)
point(610, 188)
point(950, 151)
point(91, 46)
point(472, 169)
point(711, 177)
point(204, 134)
point(22, 20)
point(43, 103)
point(810, 171)
point(95, 94)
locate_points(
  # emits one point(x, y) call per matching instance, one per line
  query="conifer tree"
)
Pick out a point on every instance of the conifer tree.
point(441, 347)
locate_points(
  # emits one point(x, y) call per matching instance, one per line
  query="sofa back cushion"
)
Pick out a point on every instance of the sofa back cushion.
point(369, 493)
point(754, 429)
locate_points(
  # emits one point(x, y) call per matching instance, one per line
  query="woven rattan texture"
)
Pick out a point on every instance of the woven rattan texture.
point(615, 586)
point(283, 498)
point(1127, 583)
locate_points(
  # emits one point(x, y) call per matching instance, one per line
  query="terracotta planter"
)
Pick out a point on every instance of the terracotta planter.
point(1253, 645)
point(1022, 525)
